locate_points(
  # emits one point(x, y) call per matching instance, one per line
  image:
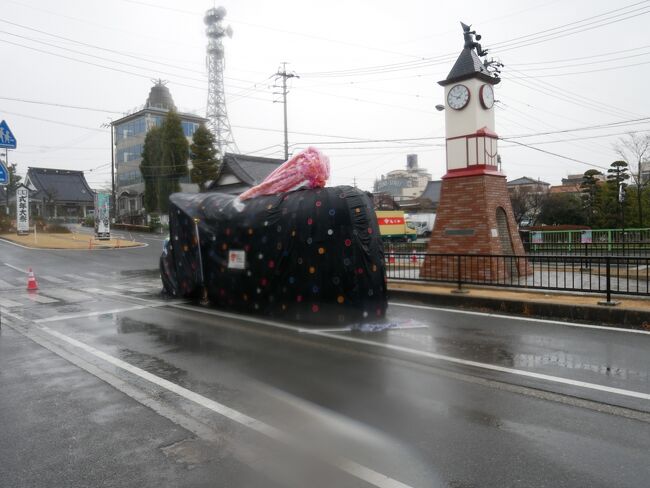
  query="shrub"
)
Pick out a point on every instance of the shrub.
point(56, 229)
point(5, 223)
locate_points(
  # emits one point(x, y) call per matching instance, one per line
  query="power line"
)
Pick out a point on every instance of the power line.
point(520, 41)
point(553, 153)
point(55, 121)
point(77, 107)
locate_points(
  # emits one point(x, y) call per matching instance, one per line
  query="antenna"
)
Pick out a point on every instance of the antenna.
point(216, 111)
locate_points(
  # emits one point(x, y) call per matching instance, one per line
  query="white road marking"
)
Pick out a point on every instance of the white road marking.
point(96, 275)
point(4, 284)
point(513, 317)
point(75, 277)
point(5, 302)
point(97, 313)
point(16, 268)
point(41, 298)
point(53, 279)
point(351, 467)
point(68, 295)
point(9, 314)
point(431, 355)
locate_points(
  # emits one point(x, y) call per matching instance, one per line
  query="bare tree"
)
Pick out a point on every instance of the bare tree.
point(527, 204)
point(634, 148)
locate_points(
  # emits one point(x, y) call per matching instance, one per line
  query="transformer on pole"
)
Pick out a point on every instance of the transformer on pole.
point(217, 113)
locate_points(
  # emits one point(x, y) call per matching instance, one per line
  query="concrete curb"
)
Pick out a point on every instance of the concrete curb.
point(610, 316)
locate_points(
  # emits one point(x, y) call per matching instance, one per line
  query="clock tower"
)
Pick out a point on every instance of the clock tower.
point(474, 215)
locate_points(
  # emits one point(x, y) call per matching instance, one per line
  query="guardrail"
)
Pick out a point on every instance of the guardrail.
point(636, 248)
point(607, 275)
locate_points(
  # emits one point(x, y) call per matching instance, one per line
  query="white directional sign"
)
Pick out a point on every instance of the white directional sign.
point(7, 139)
point(22, 210)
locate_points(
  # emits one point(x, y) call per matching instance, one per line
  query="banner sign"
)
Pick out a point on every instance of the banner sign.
point(390, 220)
point(102, 216)
point(537, 238)
point(22, 210)
point(585, 237)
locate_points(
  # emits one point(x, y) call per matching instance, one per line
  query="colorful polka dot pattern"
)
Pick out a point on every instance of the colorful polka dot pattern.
point(310, 255)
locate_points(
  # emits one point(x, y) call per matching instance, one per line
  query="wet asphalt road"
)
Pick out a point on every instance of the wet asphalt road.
point(103, 383)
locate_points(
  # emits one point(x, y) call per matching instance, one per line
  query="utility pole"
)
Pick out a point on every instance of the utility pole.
point(112, 209)
point(284, 75)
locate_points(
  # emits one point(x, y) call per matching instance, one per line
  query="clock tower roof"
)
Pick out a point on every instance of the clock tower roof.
point(469, 65)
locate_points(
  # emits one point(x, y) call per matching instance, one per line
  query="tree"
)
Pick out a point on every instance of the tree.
point(150, 168)
point(203, 153)
point(617, 175)
point(527, 204)
point(635, 150)
point(12, 184)
point(175, 152)
point(561, 209)
point(164, 162)
point(589, 190)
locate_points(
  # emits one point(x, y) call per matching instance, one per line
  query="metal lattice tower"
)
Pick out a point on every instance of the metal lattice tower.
point(217, 113)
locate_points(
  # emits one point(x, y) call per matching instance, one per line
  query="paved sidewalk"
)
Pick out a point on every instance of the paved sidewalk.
point(633, 312)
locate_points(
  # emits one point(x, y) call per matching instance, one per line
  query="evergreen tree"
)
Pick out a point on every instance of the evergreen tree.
point(617, 175)
point(12, 184)
point(150, 169)
point(175, 152)
point(203, 153)
point(590, 194)
point(560, 209)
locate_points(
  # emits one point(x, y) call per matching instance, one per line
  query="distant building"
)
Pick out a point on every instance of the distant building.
point(406, 183)
point(130, 132)
point(528, 185)
point(59, 194)
point(571, 184)
point(240, 172)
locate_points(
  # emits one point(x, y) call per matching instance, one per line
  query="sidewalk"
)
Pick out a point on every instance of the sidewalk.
point(630, 312)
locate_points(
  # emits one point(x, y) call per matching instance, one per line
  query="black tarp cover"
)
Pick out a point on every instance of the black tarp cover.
point(314, 256)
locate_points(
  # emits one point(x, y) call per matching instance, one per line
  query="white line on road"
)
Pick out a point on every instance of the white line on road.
point(16, 268)
point(430, 355)
point(351, 467)
point(41, 298)
point(4, 284)
point(95, 314)
point(53, 279)
point(527, 319)
point(5, 302)
point(9, 314)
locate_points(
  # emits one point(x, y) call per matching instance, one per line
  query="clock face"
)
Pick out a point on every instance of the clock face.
point(458, 97)
point(486, 94)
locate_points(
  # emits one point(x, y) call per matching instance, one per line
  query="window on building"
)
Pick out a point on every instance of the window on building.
point(189, 127)
point(130, 129)
point(126, 154)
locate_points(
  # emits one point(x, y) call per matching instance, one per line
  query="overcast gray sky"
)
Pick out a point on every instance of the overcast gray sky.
point(368, 71)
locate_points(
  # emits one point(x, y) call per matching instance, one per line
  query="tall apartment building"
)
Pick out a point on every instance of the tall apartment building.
point(129, 134)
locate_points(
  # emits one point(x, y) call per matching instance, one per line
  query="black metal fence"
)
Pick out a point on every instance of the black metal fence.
point(591, 274)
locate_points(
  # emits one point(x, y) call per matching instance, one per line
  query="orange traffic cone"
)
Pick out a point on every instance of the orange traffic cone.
point(32, 285)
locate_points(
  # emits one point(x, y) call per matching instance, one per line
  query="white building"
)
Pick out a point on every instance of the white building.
point(404, 184)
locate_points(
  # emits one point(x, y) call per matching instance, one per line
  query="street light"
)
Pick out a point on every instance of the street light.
point(440, 107)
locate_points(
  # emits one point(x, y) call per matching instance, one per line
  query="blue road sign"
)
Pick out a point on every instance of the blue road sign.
point(4, 174)
point(7, 138)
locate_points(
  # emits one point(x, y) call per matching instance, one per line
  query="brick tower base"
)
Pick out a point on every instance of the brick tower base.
point(475, 217)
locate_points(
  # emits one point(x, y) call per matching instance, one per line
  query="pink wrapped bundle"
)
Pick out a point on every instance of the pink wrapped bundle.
point(307, 169)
